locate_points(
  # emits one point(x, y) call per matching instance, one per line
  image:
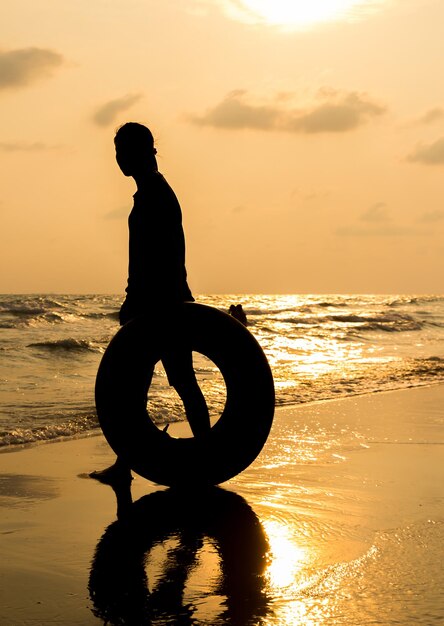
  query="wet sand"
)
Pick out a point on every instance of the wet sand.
point(339, 521)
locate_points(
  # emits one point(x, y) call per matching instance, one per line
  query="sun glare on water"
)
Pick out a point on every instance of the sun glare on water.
point(287, 558)
point(294, 14)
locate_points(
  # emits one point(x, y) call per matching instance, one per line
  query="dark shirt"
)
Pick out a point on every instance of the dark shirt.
point(156, 271)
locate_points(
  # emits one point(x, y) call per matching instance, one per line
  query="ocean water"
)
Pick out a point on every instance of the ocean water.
point(319, 347)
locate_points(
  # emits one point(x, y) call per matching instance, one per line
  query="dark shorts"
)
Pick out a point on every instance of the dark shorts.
point(177, 357)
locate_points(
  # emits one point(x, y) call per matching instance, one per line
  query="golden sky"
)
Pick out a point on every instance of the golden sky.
point(305, 141)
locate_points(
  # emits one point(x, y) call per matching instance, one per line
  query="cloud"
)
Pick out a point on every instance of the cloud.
point(376, 213)
point(240, 208)
point(21, 146)
point(431, 217)
point(378, 224)
point(117, 214)
point(21, 67)
point(345, 112)
point(428, 154)
point(234, 113)
point(433, 115)
point(381, 231)
point(107, 113)
point(337, 112)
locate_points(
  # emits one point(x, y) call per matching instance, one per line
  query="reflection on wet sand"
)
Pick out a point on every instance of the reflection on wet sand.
point(21, 490)
point(145, 560)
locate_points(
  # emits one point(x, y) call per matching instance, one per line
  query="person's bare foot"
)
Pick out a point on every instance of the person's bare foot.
point(115, 475)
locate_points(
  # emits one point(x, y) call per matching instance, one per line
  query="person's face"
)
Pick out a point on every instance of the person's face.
point(128, 159)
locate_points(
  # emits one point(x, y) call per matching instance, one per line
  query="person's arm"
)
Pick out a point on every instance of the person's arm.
point(172, 284)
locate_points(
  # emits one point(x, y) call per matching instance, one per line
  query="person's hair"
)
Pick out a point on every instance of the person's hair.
point(139, 137)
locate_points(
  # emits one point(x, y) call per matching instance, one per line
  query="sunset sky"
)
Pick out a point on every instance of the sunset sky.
point(305, 141)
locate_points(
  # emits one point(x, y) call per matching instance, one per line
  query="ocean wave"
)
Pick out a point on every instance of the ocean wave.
point(392, 322)
point(406, 300)
point(301, 320)
point(48, 318)
point(319, 347)
point(395, 322)
point(415, 373)
point(8, 325)
point(19, 311)
point(113, 315)
point(296, 308)
point(68, 345)
point(432, 367)
point(22, 311)
point(15, 314)
point(328, 303)
point(71, 428)
point(45, 319)
point(22, 306)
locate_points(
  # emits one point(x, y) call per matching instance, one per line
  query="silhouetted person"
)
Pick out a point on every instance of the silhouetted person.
point(238, 313)
point(157, 278)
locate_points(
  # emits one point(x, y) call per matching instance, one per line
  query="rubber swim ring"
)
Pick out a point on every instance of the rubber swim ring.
point(237, 437)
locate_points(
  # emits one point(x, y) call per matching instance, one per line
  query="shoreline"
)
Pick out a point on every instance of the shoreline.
point(343, 528)
point(182, 427)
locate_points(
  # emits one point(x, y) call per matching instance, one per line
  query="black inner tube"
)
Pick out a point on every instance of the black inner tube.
point(241, 431)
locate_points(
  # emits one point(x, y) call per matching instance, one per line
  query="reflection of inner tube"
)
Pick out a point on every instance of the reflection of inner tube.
point(239, 434)
point(119, 585)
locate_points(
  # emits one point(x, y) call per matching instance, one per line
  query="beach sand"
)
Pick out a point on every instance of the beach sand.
point(345, 527)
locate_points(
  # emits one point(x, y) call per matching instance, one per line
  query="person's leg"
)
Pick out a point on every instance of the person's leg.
point(178, 364)
point(195, 406)
point(119, 473)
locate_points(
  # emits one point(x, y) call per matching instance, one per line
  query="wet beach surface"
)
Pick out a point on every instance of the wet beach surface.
point(346, 528)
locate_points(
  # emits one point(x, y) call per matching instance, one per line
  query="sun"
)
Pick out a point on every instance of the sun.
point(300, 14)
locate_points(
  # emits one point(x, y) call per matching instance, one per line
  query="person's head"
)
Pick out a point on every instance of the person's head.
point(135, 151)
